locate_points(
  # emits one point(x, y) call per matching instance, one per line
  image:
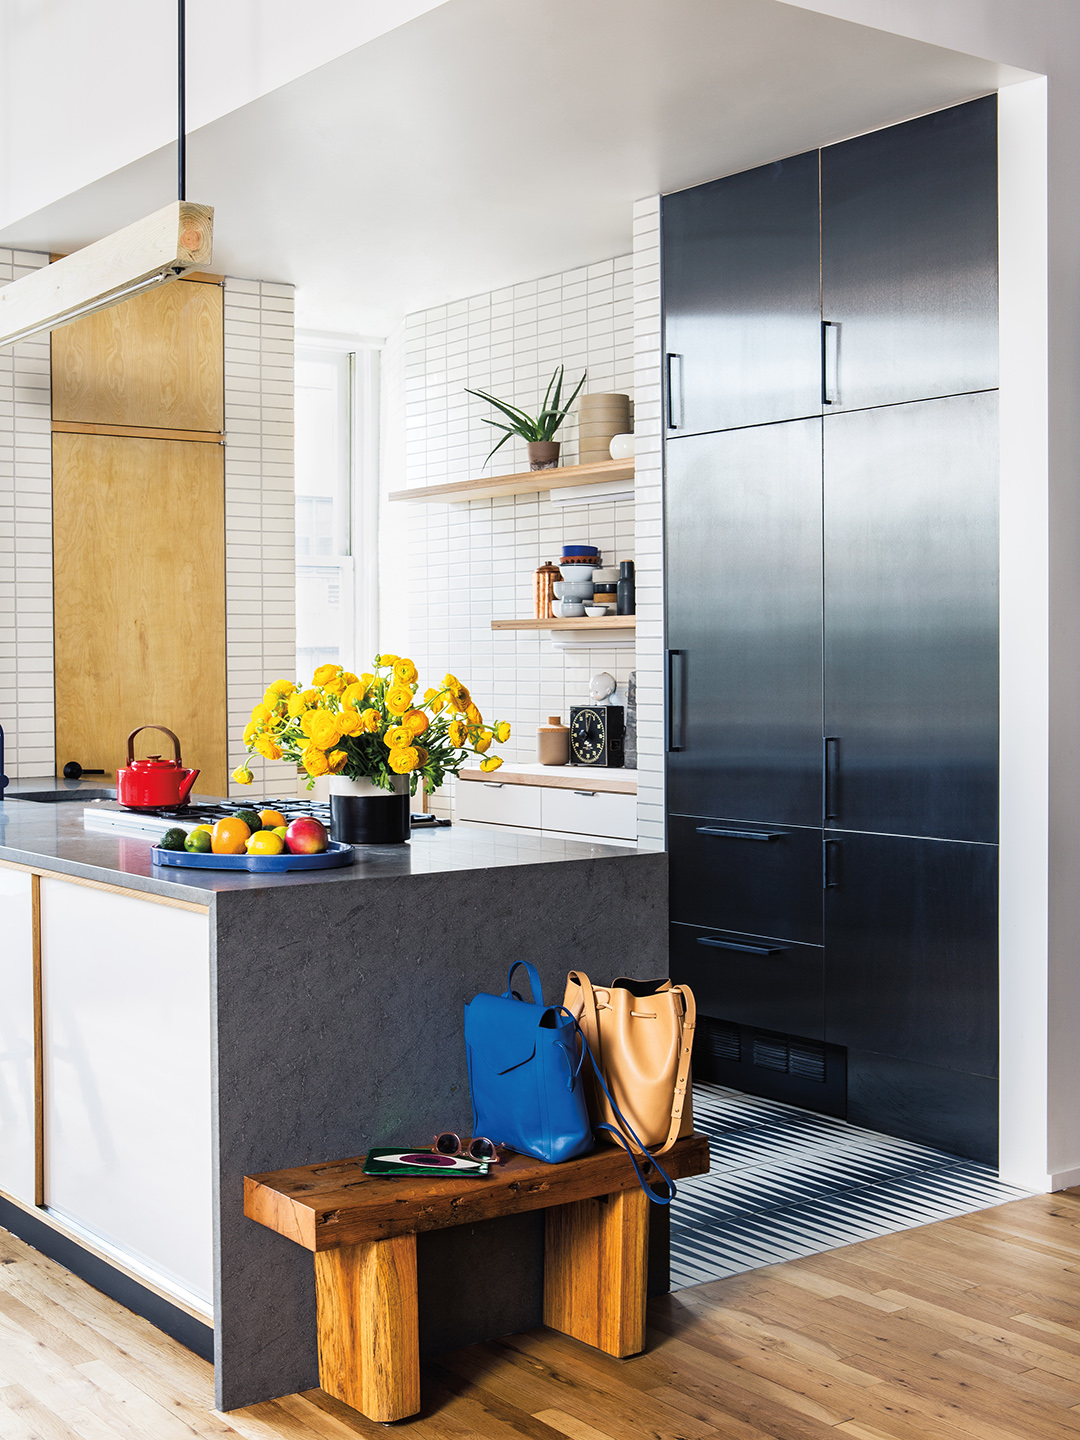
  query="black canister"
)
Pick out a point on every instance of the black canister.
point(625, 589)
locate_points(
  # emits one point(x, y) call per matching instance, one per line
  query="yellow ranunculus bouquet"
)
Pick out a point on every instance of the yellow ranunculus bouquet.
point(370, 727)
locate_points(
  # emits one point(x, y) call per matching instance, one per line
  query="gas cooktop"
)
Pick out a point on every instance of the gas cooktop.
point(111, 815)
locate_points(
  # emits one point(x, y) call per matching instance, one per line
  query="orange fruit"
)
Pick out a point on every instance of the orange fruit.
point(265, 842)
point(229, 836)
point(271, 819)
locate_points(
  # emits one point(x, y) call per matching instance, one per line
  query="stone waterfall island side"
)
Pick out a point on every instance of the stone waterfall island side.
point(209, 1025)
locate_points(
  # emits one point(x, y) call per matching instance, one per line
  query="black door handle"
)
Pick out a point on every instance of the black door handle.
point(674, 711)
point(719, 944)
point(830, 336)
point(674, 393)
point(830, 864)
point(741, 834)
point(832, 778)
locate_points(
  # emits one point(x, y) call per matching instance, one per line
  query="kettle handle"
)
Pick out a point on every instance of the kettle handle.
point(164, 730)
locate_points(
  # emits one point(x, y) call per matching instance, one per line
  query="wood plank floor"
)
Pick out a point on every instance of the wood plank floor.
point(966, 1328)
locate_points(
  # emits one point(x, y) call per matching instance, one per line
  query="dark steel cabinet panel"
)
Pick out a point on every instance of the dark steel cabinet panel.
point(742, 298)
point(774, 984)
point(744, 614)
point(911, 618)
point(761, 880)
point(909, 259)
point(911, 950)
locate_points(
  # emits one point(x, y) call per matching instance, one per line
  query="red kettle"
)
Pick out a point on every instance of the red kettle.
point(153, 783)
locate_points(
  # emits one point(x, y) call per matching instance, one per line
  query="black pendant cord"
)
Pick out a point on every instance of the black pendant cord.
point(181, 103)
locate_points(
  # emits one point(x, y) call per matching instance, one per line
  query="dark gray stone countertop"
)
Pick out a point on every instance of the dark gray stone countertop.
point(51, 836)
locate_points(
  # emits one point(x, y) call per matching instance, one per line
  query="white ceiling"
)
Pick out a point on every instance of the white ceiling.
point(489, 141)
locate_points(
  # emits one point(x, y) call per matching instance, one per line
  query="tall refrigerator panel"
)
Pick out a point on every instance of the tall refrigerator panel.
point(911, 619)
point(909, 260)
point(742, 299)
point(744, 623)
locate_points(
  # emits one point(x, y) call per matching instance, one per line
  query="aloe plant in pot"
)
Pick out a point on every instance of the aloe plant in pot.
point(537, 431)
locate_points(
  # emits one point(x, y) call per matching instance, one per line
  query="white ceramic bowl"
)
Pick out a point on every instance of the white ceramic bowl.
point(577, 572)
point(577, 590)
point(621, 447)
point(595, 611)
point(557, 589)
point(607, 572)
point(571, 609)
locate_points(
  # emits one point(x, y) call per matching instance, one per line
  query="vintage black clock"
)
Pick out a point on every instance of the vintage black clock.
point(597, 734)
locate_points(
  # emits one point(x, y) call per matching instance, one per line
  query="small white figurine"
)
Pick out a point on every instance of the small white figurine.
point(601, 686)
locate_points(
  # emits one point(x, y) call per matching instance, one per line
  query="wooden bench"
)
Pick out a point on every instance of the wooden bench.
point(363, 1233)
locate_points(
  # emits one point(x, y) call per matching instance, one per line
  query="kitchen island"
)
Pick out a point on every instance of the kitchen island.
point(168, 1032)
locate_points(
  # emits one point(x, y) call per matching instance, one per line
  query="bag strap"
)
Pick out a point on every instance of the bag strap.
point(656, 1199)
point(682, 1074)
point(534, 981)
point(589, 1022)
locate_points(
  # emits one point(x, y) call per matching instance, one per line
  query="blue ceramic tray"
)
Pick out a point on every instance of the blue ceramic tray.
point(335, 854)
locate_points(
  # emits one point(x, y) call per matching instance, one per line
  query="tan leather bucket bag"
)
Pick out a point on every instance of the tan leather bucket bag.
point(642, 1033)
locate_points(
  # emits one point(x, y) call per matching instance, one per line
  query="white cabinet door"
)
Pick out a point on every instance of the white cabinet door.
point(126, 1019)
point(588, 812)
point(16, 1035)
point(497, 803)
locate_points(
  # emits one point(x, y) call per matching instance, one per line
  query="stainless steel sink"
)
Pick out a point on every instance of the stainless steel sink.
point(60, 797)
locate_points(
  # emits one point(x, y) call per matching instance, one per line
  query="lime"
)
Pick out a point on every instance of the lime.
point(174, 839)
point(198, 841)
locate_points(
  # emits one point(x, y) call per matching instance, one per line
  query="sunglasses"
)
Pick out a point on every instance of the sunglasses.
point(478, 1148)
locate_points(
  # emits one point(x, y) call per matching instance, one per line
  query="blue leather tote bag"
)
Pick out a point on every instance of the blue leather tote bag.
point(525, 1073)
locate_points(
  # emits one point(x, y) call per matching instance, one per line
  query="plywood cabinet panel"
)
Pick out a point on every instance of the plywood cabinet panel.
point(139, 563)
point(157, 360)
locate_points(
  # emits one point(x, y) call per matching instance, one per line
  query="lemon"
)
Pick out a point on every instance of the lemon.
point(280, 830)
point(265, 842)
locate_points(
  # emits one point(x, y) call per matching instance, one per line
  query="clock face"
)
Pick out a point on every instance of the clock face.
point(587, 736)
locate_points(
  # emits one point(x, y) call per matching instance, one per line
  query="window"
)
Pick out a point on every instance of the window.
point(324, 473)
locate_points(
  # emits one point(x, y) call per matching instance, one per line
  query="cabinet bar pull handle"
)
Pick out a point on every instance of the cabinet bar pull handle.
point(494, 784)
point(674, 390)
point(830, 361)
point(674, 717)
point(741, 834)
point(719, 944)
point(589, 793)
point(832, 777)
point(831, 865)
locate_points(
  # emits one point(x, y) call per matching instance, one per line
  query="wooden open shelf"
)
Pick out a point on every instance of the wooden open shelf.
point(608, 622)
point(528, 482)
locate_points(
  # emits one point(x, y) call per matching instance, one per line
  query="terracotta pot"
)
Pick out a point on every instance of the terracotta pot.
point(543, 454)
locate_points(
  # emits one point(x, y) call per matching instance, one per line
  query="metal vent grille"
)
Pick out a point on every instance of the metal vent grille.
point(770, 1053)
point(790, 1057)
point(722, 1040)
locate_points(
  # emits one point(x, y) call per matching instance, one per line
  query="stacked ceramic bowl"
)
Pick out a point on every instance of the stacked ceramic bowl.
point(575, 590)
point(604, 596)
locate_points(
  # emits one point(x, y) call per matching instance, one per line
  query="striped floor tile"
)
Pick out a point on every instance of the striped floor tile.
point(786, 1183)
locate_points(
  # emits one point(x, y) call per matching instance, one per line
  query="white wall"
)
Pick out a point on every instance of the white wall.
point(448, 570)
point(26, 640)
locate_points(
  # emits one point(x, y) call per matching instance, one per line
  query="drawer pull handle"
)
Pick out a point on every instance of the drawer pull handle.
point(494, 784)
point(741, 834)
point(719, 944)
point(589, 793)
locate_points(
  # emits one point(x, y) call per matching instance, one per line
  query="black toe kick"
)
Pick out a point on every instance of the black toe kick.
point(947, 1109)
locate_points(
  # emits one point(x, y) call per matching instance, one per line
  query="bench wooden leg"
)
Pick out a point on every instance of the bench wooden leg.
point(369, 1345)
point(596, 1258)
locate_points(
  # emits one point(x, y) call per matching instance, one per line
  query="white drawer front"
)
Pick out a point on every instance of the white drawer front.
point(590, 814)
point(498, 804)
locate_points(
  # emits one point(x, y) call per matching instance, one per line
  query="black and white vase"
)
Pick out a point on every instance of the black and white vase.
point(362, 813)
